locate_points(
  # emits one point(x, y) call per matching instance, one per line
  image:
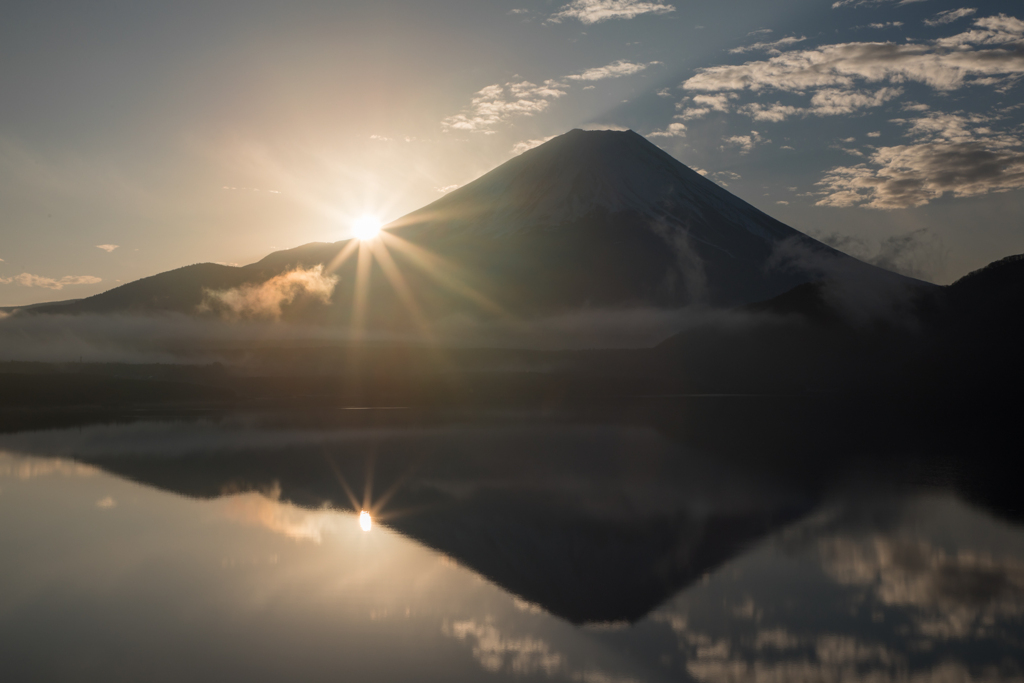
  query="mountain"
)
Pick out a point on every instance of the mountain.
point(607, 218)
point(590, 218)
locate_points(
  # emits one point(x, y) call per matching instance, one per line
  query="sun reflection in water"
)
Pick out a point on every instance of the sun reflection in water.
point(365, 521)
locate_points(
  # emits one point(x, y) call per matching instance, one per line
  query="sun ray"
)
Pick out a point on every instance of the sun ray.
point(342, 256)
point(361, 292)
point(371, 462)
point(344, 484)
point(382, 500)
point(398, 283)
point(441, 270)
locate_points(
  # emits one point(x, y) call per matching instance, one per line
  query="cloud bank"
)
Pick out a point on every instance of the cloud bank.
point(951, 153)
point(957, 154)
point(30, 280)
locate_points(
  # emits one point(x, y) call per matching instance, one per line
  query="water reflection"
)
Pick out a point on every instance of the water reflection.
point(502, 548)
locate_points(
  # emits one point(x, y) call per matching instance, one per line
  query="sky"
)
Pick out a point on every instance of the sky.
point(140, 137)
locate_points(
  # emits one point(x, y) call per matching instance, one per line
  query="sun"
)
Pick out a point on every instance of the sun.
point(365, 521)
point(366, 227)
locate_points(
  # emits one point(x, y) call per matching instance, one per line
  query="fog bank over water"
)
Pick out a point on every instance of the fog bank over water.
point(169, 338)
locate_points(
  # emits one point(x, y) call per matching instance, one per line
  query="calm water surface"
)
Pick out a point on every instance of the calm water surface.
point(512, 547)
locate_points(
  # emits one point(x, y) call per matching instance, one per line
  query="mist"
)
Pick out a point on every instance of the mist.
point(180, 338)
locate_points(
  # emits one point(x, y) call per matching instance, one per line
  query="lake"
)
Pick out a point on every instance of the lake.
point(601, 545)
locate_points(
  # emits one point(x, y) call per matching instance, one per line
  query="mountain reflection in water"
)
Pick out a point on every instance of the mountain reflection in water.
point(577, 548)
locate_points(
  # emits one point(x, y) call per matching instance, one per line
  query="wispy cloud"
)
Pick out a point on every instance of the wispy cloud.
point(596, 11)
point(256, 189)
point(745, 142)
point(107, 247)
point(613, 70)
point(703, 104)
point(857, 3)
point(950, 15)
point(30, 280)
point(829, 102)
point(773, 47)
point(496, 104)
point(674, 130)
point(524, 145)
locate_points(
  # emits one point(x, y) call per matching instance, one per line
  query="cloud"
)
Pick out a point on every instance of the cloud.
point(998, 30)
point(256, 189)
point(266, 509)
point(861, 294)
point(18, 467)
point(950, 594)
point(914, 106)
point(830, 101)
point(714, 102)
point(498, 651)
point(825, 102)
point(857, 3)
point(745, 142)
point(614, 70)
point(887, 24)
point(842, 65)
point(496, 104)
point(770, 112)
point(704, 105)
point(524, 145)
point(596, 11)
point(950, 15)
point(265, 300)
point(446, 188)
point(768, 47)
point(674, 130)
point(107, 247)
point(952, 154)
point(832, 75)
point(693, 113)
point(30, 280)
